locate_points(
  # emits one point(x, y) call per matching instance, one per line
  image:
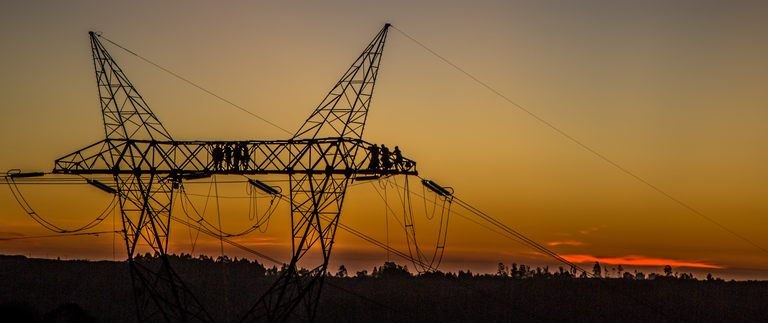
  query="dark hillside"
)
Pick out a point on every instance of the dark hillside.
point(38, 290)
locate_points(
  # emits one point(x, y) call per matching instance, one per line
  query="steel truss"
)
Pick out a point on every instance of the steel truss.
point(178, 159)
point(148, 166)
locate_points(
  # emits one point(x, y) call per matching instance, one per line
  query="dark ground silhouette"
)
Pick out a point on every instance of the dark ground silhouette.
point(41, 290)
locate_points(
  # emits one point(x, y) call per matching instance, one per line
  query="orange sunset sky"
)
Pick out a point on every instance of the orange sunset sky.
point(673, 92)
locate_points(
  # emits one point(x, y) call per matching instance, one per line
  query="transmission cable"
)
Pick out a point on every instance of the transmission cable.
point(418, 262)
point(185, 200)
point(261, 221)
point(519, 237)
point(228, 241)
point(343, 227)
point(373, 241)
point(404, 226)
point(60, 235)
point(479, 224)
point(195, 85)
point(581, 144)
point(33, 214)
point(534, 245)
point(552, 254)
point(277, 262)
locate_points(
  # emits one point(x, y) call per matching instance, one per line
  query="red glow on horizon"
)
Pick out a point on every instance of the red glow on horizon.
point(636, 261)
point(568, 242)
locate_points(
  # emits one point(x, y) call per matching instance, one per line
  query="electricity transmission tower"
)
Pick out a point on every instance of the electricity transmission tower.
point(148, 168)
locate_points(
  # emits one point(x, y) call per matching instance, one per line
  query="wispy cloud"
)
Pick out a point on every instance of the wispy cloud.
point(588, 231)
point(29, 224)
point(16, 238)
point(253, 241)
point(12, 235)
point(567, 242)
point(638, 261)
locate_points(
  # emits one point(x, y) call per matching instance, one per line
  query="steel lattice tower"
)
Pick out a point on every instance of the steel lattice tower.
point(148, 166)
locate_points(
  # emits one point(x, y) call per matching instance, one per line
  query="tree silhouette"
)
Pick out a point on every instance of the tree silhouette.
point(463, 274)
point(523, 271)
point(668, 270)
point(502, 271)
point(342, 272)
point(597, 270)
point(390, 269)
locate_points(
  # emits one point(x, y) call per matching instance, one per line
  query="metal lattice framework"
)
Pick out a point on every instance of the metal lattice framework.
point(344, 110)
point(125, 113)
point(342, 156)
point(148, 166)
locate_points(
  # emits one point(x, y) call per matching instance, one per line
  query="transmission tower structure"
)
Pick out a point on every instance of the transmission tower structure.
point(149, 167)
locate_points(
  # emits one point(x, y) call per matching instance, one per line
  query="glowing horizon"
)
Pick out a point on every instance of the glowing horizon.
point(637, 261)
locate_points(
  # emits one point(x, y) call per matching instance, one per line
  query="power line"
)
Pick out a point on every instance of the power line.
point(343, 227)
point(60, 235)
point(519, 237)
point(515, 236)
point(40, 220)
point(583, 145)
point(228, 241)
point(534, 245)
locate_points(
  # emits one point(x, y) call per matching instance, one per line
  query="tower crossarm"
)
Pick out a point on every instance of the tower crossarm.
point(347, 156)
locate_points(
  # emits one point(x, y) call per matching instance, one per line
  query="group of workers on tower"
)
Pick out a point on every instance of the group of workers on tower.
point(232, 156)
point(386, 160)
point(235, 156)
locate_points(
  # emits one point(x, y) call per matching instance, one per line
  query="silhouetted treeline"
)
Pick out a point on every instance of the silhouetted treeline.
point(41, 290)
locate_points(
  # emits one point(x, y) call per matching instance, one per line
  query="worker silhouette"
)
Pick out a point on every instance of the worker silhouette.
point(374, 150)
point(386, 163)
point(398, 158)
point(218, 157)
point(236, 157)
point(245, 158)
point(228, 155)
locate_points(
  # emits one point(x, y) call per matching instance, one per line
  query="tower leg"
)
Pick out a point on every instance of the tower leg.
point(145, 203)
point(315, 206)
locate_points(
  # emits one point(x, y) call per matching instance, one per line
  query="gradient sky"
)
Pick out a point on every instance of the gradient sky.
point(673, 92)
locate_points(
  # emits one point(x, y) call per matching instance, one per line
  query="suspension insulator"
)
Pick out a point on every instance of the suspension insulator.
point(263, 187)
point(436, 188)
point(195, 175)
point(102, 186)
point(17, 173)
